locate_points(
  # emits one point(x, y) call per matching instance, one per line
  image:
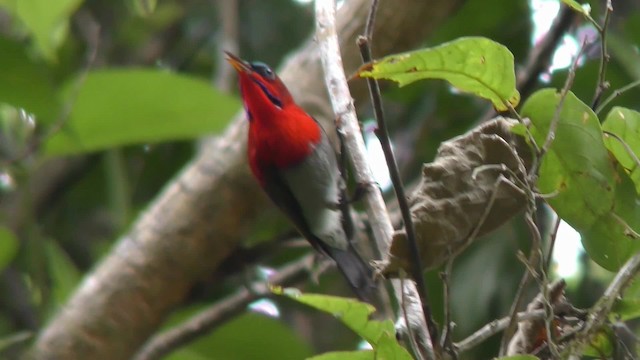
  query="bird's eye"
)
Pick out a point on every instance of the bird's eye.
point(264, 70)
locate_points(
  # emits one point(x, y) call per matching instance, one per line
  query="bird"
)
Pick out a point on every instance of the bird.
point(292, 159)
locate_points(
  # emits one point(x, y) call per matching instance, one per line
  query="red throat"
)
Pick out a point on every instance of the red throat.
point(281, 134)
point(281, 139)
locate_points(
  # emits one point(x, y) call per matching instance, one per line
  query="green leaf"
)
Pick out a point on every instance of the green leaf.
point(25, 83)
point(346, 355)
point(64, 274)
point(122, 107)
point(519, 357)
point(46, 20)
point(354, 314)
point(580, 178)
point(249, 336)
point(473, 64)
point(8, 246)
point(625, 123)
point(601, 345)
point(143, 7)
point(614, 236)
point(628, 307)
point(577, 7)
point(388, 348)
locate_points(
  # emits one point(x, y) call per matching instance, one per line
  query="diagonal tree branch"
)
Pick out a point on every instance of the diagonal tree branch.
point(200, 216)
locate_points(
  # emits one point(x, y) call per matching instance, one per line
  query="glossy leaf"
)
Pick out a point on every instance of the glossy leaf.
point(625, 123)
point(46, 20)
point(579, 176)
point(123, 107)
point(476, 65)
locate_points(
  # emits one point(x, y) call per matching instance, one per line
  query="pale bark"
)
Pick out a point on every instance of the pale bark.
point(211, 205)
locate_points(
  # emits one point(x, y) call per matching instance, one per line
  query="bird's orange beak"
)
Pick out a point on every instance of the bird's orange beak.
point(240, 65)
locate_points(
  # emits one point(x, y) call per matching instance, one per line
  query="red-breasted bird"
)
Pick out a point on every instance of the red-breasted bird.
point(291, 157)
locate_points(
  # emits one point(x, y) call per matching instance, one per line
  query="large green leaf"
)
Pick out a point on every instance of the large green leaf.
point(354, 314)
point(474, 64)
point(25, 83)
point(46, 20)
point(581, 179)
point(121, 107)
point(625, 123)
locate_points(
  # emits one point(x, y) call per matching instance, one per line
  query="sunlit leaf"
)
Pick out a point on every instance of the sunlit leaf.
point(625, 123)
point(388, 348)
point(576, 6)
point(354, 314)
point(122, 107)
point(476, 65)
point(46, 20)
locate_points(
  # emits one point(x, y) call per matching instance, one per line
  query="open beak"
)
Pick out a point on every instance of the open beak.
point(240, 65)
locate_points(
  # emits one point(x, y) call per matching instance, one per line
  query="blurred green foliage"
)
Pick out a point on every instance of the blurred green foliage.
point(124, 87)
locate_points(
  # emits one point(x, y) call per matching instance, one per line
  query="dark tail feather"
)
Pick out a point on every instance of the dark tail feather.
point(358, 274)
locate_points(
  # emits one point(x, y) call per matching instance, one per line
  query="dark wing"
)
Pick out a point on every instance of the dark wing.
point(355, 270)
point(281, 195)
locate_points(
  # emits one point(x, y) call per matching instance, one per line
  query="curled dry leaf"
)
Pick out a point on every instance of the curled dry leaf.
point(472, 187)
point(531, 336)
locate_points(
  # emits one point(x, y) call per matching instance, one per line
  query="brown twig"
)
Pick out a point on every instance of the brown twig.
point(398, 186)
point(603, 85)
point(349, 127)
point(223, 311)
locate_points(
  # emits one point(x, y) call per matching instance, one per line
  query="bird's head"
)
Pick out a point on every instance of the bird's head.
point(262, 90)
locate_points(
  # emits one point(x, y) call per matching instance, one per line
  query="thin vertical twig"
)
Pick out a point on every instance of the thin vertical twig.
point(398, 186)
point(349, 128)
point(603, 85)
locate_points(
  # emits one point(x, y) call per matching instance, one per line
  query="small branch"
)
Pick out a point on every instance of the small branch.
point(603, 85)
point(495, 327)
point(350, 129)
point(615, 94)
point(222, 311)
point(398, 186)
point(537, 160)
point(599, 313)
point(552, 243)
point(368, 29)
point(224, 77)
point(626, 146)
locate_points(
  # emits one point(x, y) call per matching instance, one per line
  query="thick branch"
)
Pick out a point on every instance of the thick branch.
point(207, 209)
